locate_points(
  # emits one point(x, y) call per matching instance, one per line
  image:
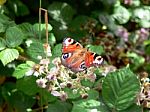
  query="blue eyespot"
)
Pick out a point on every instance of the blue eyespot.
point(65, 55)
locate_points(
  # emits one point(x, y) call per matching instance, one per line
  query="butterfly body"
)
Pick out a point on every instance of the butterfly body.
point(77, 58)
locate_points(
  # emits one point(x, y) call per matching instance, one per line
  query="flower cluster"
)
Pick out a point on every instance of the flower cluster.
point(144, 96)
point(57, 78)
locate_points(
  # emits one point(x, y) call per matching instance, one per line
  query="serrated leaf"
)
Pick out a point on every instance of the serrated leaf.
point(70, 93)
point(35, 50)
point(18, 7)
point(87, 106)
point(46, 97)
point(27, 85)
point(96, 49)
point(14, 36)
point(63, 107)
point(2, 28)
point(136, 59)
point(8, 55)
point(21, 101)
point(22, 69)
point(61, 12)
point(43, 27)
point(28, 30)
point(120, 88)
point(2, 44)
point(107, 20)
point(121, 14)
point(56, 51)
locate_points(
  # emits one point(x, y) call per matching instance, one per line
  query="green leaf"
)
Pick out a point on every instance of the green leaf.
point(70, 93)
point(22, 69)
point(21, 102)
point(35, 50)
point(27, 85)
point(28, 30)
point(93, 94)
point(43, 27)
point(133, 108)
point(88, 106)
point(147, 49)
point(121, 14)
point(52, 39)
point(107, 20)
point(120, 88)
point(14, 36)
point(56, 51)
point(8, 55)
point(5, 23)
point(61, 12)
point(16, 99)
point(63, 107)
point(2, 44)
point(97, 49)
point(46, 97)
point(75, 27)
point(136, 60)
point(18, 8)
point(2, 28)
point(144, 23)
point(7, 89)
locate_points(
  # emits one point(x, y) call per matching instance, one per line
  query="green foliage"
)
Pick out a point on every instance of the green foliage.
point(61, 12)
point(35, 50)
point(88, 105)
point(116, 29)
point(63, 107)
point(119, 89)
point(27, 85)
point(21, 69)
point(121, 14)
point(14, 36)
point(8, 55)
point(2, 44)
point(16, 99)
point(18, 8)
point(97, 49)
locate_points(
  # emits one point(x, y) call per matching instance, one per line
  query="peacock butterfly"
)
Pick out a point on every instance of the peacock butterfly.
point(77, 58)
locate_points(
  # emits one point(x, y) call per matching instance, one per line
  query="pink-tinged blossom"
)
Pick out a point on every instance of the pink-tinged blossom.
point(56, 61)
point(63, 96)
point(47, 49)
point(36, 73)
point(128, 2)
point(30, 72)
point(41, 82)
point(122, 32)
point(143, 34)
point(51, 76)
point(91, 77)
point(44, 61)
point(55, 93)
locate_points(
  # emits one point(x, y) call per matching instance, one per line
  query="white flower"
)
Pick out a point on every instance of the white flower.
point(29, 73)
point(44, 61)
point(41, 82)
point(36, 73)
point(55, 93)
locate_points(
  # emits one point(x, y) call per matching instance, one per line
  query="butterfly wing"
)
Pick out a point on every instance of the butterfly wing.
point(77, 58)
point(72, 55)
point(93, 59)
point(70, 45)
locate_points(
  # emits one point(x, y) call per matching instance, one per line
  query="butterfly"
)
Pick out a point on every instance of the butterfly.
point(77, 58)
